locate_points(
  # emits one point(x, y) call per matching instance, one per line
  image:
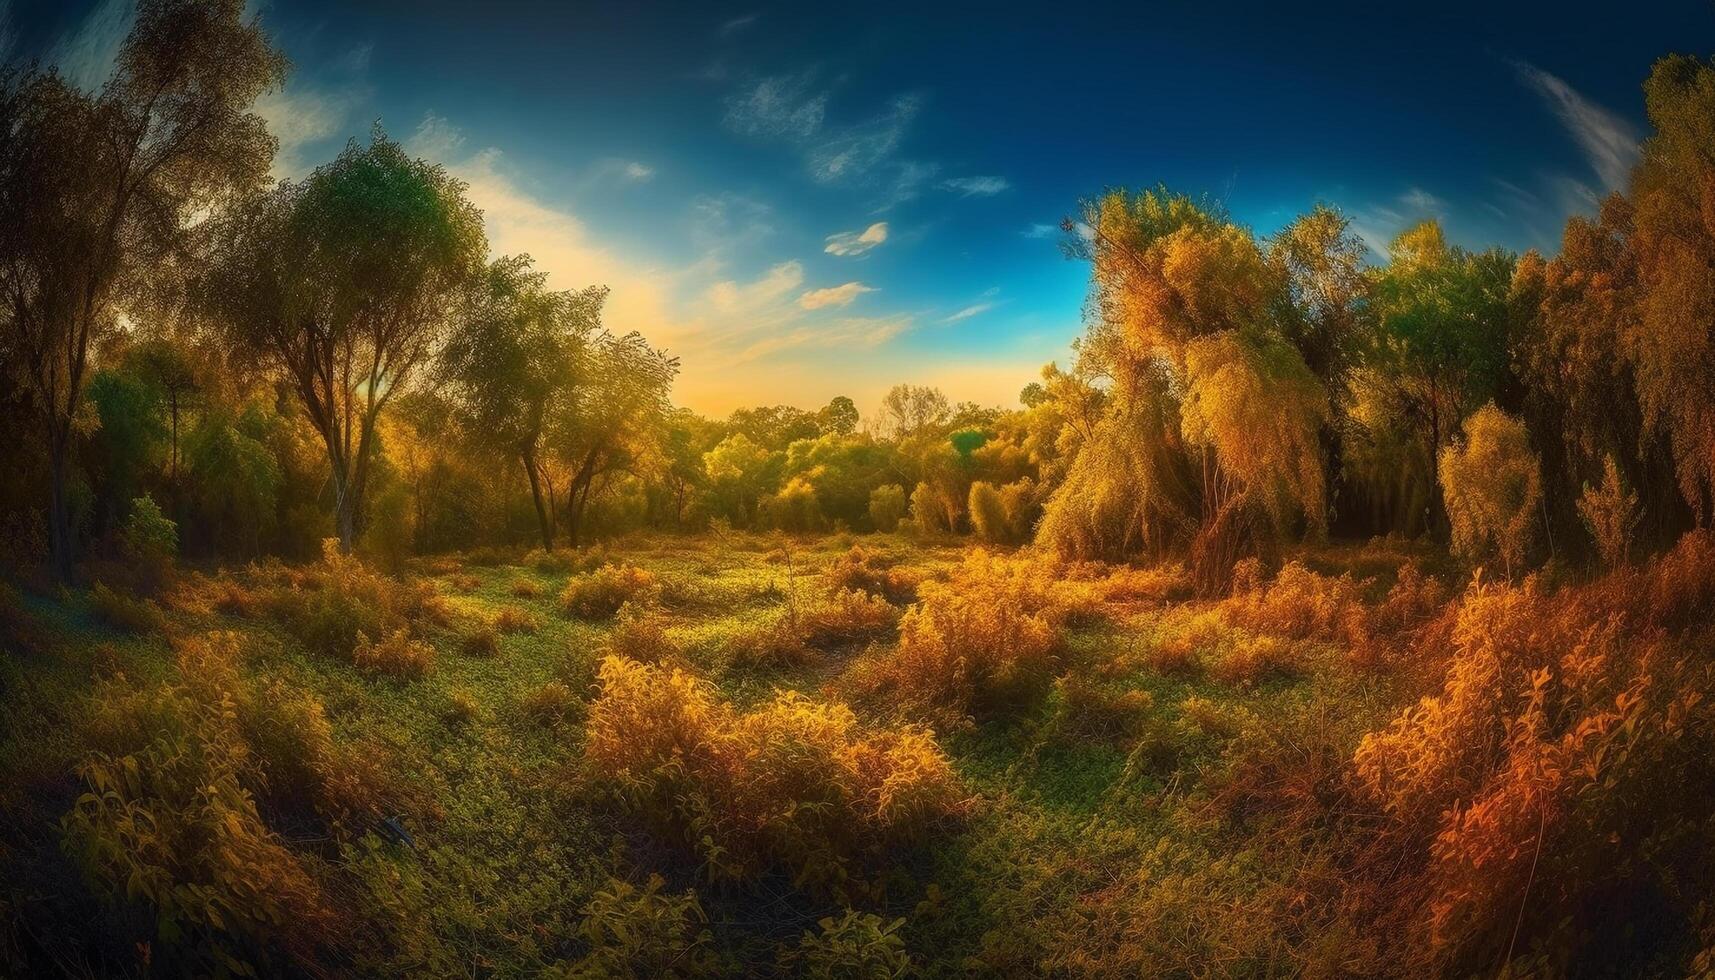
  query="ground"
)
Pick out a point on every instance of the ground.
point(1093, 831)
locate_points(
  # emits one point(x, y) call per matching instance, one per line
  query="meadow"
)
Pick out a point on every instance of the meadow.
point(849, 755)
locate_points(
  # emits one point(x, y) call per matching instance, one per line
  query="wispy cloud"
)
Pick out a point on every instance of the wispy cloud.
point(841, 295)
point(778, 106)
point(1379, 223)
point(87, 55)
point(1040, 231)
point(736, 25)
point(975, 309)
point(976, 186)
point(853, 151)
point(1609, 142)
point(855, 242)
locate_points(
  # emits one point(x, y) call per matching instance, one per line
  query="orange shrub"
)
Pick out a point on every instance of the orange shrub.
point(516, 619)
point(794, 784)
point(981, 642)
point(599, 594)
point(396, 654)
point(868, 570)
point(552, 702)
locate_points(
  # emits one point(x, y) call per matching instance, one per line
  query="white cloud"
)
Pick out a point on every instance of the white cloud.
point(779, 106)
point(737, 24)
point(736, 336)
point(857, 243)
point(1421, 200)
point(86, 57)
point(854, 151)
point(841, 295)
point(1609, 142)
point(975, 309)
point(1040, 231)
point(976, 186)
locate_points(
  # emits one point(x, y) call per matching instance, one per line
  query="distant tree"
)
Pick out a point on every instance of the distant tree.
point(739, 475)
point(839, 416)
point(908, 409)
point(1610, 513)
point(95, 190)
point(887, 507)
point(519, 348)
point(347, 282)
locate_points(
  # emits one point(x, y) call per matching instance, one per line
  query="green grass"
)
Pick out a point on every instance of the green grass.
point(511, 844)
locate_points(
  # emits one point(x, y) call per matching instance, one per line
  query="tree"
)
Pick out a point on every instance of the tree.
point(168, 366)
point(839, 416)
point(519, 348)
point(608, 424)
point(95, 190)
point(348, 281)
point(908, 409)
point(1671, 348)
point(1439, 343)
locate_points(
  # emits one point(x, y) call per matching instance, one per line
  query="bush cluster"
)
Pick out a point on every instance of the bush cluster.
point(599, 594)
point(793, 785)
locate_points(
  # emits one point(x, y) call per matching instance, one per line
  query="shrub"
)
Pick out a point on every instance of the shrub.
point(930, 510)
point(168, 827)
point(1610, 513)
point(1492, 485)
point(150, 540)
point(1002, 515)
point(516, 619)
point(795, 508)
point(1253, 659)
point(855, 945)
point(1088, 710)
point(525, 588)
point(887, 507)
point(791, 785)
point(466, 583)
point(1298, 604)
point(397, 654)
point(483, 641)
point(234, 599)
point(1556, 751)
point(125, 613)
point(342, 599)
point(644, 932)
point(843, 616)
point(462, 707)
point(641, 635)
point(599, 594)
point(868, 570)
point(983, 641)
point(552, 702)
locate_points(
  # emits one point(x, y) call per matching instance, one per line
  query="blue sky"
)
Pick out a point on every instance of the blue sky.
point(804, 200)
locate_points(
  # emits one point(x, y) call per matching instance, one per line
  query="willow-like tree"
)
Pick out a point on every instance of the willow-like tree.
point(522, 346)
point(95, 190)
point(347, 282)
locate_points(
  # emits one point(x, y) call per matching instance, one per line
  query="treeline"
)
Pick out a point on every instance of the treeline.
point(252, 367)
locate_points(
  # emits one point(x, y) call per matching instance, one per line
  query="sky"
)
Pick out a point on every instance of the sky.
point(805, 200)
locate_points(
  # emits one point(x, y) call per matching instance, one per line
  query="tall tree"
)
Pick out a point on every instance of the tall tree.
point(347, 282)
point(1439, 339)
point(95, 190)
point(605, 425)
point(520, 347)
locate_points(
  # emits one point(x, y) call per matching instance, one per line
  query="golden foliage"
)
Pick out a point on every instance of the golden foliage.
point(599, 594)
point(1493, 486)
point(794, 784)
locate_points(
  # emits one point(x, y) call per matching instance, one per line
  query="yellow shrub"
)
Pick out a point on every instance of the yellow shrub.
point(644, 932)
point(1299, 604)
point(868, 570)
point(552, 702)
point(481, 642)
point(599, 594)
point(396, 654)
point(981, 642)
point(516, 619)
point(525, 588)
point(1253, 659)
point(793, 784)
point(125, 613)
point(640, 634)
point(168, 825)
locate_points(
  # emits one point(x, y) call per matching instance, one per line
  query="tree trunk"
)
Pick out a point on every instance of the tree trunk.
point(542, 521)
point(345, 511)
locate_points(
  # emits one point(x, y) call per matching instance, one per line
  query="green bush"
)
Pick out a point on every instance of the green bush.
point(887, 507)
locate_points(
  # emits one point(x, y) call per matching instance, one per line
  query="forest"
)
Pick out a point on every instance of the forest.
point(368, 608)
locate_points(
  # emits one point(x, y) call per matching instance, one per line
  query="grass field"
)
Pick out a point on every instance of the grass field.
point(1096, 822)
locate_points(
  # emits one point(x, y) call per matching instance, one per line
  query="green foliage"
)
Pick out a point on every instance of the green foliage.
point(643, 933)
point(887, 507)
point(855, 946)
point(150, 539)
